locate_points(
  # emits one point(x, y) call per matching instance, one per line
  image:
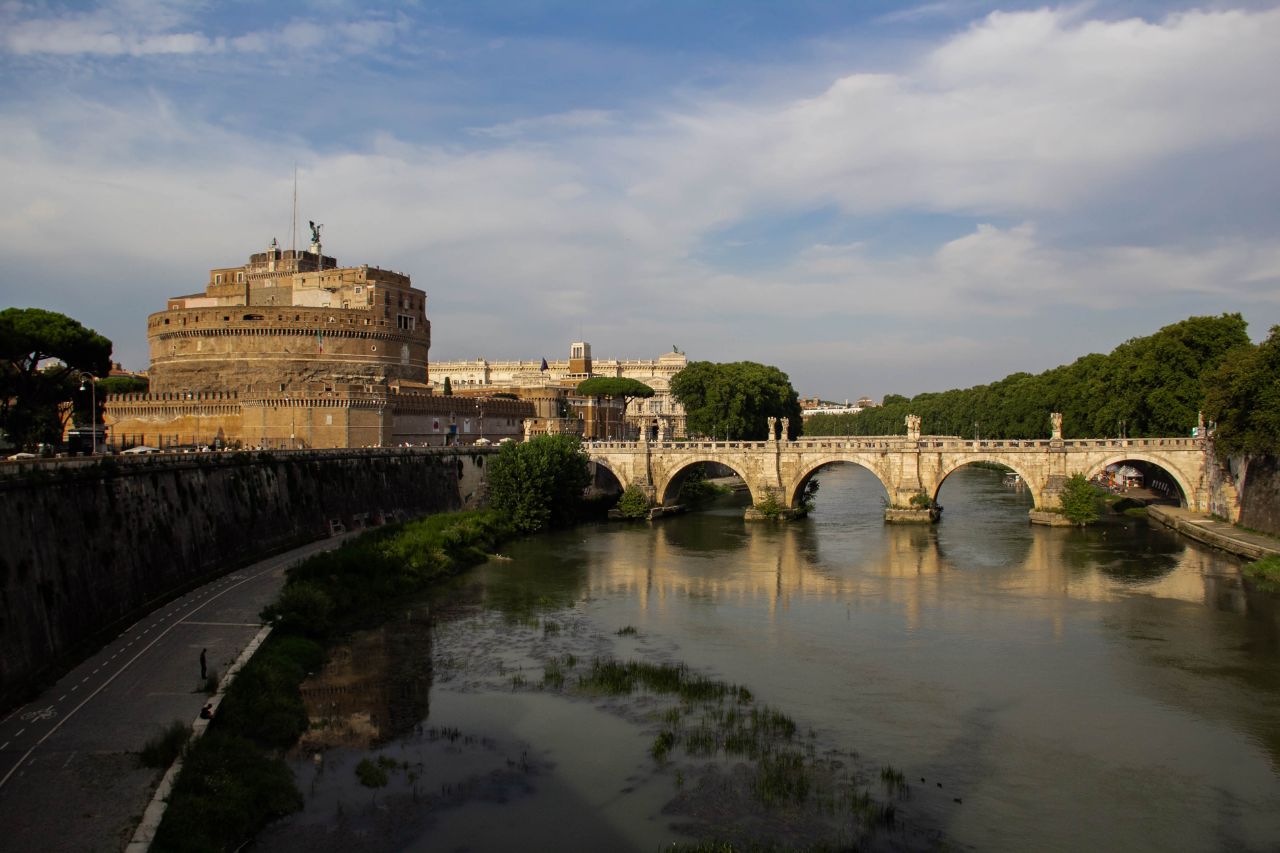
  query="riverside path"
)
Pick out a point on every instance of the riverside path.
point(70, 776)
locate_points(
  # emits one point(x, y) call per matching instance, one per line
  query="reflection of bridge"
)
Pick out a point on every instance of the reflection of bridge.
point(906, 466)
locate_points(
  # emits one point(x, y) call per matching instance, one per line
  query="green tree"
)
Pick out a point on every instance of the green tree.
point(734, 401)
point(1243, 397)
point(1079, 500)
point(448, 387)
point(1149, 386)
point(42, 354)
point(615, 386)
point(539, 484)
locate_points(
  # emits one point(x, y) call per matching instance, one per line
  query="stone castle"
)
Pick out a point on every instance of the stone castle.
point(291, 350)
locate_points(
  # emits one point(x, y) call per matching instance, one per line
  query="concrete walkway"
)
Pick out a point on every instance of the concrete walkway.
point(1218, 534)
point(70, 778)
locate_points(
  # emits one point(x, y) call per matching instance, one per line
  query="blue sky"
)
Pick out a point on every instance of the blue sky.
point(876, 197)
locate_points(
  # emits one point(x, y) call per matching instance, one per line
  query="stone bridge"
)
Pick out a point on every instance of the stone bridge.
point(907, 466)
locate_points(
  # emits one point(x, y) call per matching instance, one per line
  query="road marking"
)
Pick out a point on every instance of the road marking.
point(223, 624)
point(68, 761)
point(142, 651)
point(75, 687)
point(20, 731)
point(95, 672)
point(6, 745)
point(63, 696)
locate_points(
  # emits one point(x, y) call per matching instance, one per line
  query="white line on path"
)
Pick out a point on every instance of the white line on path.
point(20, 731)
point(68, 761)
point(104, 684)
point(6, 745)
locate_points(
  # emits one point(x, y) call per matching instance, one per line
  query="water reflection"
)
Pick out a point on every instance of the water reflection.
point(1113, 688)
point(374, 688)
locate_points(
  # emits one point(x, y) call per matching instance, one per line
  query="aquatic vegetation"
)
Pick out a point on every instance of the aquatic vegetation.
point(627, 631)
point(894, 780)
point(1264, 573)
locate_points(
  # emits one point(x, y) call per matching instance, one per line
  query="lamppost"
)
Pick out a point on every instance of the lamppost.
point(93, 411)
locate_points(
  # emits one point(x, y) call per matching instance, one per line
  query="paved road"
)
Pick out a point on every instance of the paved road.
point(70, 778)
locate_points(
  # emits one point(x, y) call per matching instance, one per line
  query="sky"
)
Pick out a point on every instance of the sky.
point(875, 197)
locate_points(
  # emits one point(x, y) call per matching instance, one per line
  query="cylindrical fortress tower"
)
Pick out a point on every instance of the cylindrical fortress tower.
point(289, 320)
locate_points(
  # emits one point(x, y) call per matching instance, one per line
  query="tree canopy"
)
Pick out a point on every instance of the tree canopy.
point(613, 386)
point(1243, 397)
point(1147, 386)
point(42, 354)
point(734, 400)
point(539, 484)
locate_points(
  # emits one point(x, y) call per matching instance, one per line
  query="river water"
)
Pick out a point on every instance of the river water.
point(1039, 689)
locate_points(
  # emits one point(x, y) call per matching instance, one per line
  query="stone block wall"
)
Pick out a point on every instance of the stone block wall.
point(88, 547)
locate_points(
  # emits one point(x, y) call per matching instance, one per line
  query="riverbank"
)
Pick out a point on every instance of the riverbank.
point(1217, 534)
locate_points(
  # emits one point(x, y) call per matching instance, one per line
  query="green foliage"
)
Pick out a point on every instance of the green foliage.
point(634, 503)
point(539, 484)
point(1243, 397)
point(696, 490)
point(229, 790)
point(613, 386)
point(230, 786)
point(734, 401)
point(448, 387)
point(372, 774)
point(123, 385)
point(41, 356)
point(1150, 386)
point(1079, 500)
point(921, 501)
point(1264, 573)
point(163, 749)
point(770, 506)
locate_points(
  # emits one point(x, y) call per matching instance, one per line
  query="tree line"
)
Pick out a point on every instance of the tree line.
point(1148, 386)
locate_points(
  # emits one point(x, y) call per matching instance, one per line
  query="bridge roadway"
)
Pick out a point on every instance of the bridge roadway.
point(906, 466)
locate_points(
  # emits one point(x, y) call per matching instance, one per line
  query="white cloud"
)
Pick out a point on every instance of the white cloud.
point(591, 218)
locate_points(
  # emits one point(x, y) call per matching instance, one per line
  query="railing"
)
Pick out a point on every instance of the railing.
point(901, 442)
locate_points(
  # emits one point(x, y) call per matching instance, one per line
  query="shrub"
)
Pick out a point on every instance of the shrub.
point(1079, 500)
point(634, 503)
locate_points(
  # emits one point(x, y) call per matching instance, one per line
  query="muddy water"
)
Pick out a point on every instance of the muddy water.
point(1113, 689)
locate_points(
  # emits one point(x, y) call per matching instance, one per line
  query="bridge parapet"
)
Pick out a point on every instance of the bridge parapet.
point(906, 466)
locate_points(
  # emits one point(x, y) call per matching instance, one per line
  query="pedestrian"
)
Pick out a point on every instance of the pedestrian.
point(206, 713)
point(204, 665)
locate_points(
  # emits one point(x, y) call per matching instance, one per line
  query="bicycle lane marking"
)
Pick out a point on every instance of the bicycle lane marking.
point(125, 666)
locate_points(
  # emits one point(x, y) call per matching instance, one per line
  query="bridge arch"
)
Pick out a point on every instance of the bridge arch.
point(1013, 463)
point(668, 486)
point(794, 491)
point(1187, 494)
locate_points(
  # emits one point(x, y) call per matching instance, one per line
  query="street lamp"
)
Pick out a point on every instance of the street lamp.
point(93, 411)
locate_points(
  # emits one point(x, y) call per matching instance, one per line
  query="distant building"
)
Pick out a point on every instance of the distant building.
point(292, 351)
point(546, 382)
point(815, 406)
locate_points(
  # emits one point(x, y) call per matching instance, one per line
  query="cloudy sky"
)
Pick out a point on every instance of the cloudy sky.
point(877, 197)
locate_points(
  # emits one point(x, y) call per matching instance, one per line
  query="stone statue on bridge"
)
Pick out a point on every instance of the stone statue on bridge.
point(786, 429)
point(1055, 422)
point(773, 428)
point(913, 427)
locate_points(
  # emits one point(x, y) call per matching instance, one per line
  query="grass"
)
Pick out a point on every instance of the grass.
point(1264, 573)
point(163, 749)
point(234, 781)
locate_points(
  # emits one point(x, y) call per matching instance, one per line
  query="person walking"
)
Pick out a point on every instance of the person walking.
point(204, 665)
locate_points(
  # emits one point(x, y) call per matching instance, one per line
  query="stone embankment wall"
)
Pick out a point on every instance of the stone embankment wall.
point(86, 547)
point(1260, 495)
point(1246, 490)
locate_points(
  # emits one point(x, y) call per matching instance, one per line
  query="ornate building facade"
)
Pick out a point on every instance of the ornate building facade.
point(661, 415)
point(291, 350)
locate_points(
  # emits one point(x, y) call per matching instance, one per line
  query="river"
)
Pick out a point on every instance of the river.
point(1049, 689)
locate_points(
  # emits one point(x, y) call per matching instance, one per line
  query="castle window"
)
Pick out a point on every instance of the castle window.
point(404, 321)
point(359, 289)
point(217, 279)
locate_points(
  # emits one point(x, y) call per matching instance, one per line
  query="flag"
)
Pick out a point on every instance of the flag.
point(544, 365)
point(320, 339)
